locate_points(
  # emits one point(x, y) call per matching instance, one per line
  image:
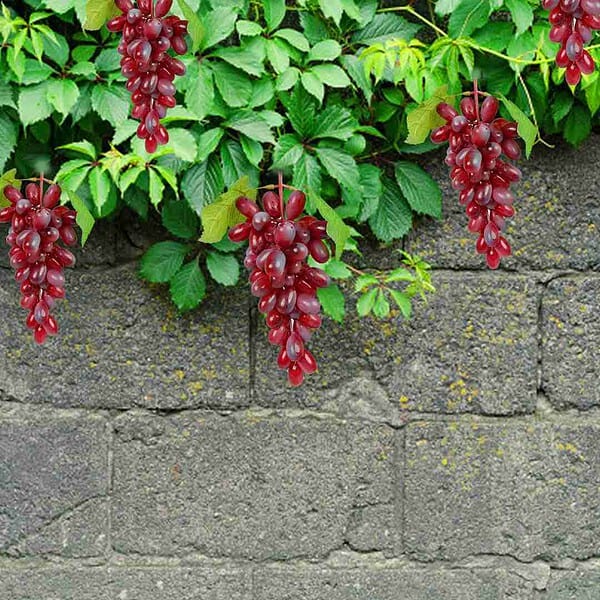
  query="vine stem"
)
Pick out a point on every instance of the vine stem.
point(532, 108)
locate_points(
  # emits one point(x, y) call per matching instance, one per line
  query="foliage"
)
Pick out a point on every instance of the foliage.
point(340, 95)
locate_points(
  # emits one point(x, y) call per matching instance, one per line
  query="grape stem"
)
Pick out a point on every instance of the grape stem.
point(280, 187)
point(476, 94)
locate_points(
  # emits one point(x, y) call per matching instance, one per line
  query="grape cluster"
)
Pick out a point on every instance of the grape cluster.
point(572, 24)
point(148, 34)
point(37, 224)
point(477, 141)
point(279, 245)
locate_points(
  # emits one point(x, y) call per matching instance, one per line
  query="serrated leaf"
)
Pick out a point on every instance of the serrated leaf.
point(63, 95)
point(332, 302)
point(236, 164)
point(578, 125)
point(365, 281)
point(468, 16)
point(200, 93)
point(293, 37)
point(156, 187)
point(526, 129)
point(341, 166)
point(287, 151)
point(6, 95)
point(188, 286)
point(84, 219)
point(332, 9)
point(337, 269)
point(366, 302)
point(202, 184)
point(253, 125)
point(383, 27)
point(232, 84)
point(111, 103)
point(522, 14)
point(337, 230)
point(313, 85)
point(98, 12)
point(371, 187)
point(307, 174)
point(8, 139)
point(331, 75)
point(183, 144)
point(223, 268)
point(33, 104)
point(100, 187)
point(248, 57)
point(381, 308)
point(424, 118)
point(179, 219)
point(334, 122)
point(326, 50)
point(86, 148)
point(393, 217)
point(219, 216)
point(218, 25)
point(403, 302)
point(274, 13)
point(421, 191)
point(208, 142)
point(162, 261)
point(129, 177)
point(195, 26)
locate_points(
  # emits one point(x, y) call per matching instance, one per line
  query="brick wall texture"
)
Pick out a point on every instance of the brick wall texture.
point(150, 456)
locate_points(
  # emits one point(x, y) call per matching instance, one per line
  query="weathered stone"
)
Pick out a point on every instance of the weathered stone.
point(556, 226)
point(573, 585)
point(472, 348)
point(150, 583)
point(317, 583)
point(571, 339)
point(528, 490)
point(246, 486)
point(122, 344)
point(53, 477)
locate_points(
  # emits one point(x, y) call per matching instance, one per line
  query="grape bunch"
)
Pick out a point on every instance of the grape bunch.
point(148, 35)
point(572, 24)
point(37, 224)
point(477, 141)
point(280, 241)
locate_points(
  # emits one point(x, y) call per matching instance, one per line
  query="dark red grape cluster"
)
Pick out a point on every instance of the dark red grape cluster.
point(37, 224)
point(148, 35)
point(280, 242)
point(572, 24)
point(477, 141)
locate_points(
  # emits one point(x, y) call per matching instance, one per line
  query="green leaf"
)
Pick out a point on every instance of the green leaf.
point(287, 151)
point(253, 150)
point(236, 164)
point(522, 14)
point(578, 125)
point(111, 103)
point(354, 67)
point(403, 302)
point(331, 75)
point(85, 219)
point(6, 95)
point(313, 85)
point(293, 37)
point(332, 9)
point(195, 27)
point(384, 27)
point(371, 186)
point(208, 142)
point(218, 25)
point(334, 122)
point(366, 302)
point(223, 268)
point(183, 144)
point(274, 13)
point(162, 261)
point(337, 269)
point(200, 93)
point(278, 57)
point(365, 281)
point(526, 129)
point(421, 191)
point(97, 12)
point(86, 148)
point(337, 230)
point(129, 177)
point(253, 125)
point(424, 118)
point(307, 174)
point(333, 302)
point(393, 217)
point(400, 274)
point(188, 286)
point(33, 104)
point(156, 187)
point(8, 178)
point(592, 96)
point(232, 84)
point(468, 16)
point(248, 57)
point(63, 95)
point(381, 308)
point(341, 166)
point(179, 219)
point(8, 136)
point(202, 183)
point(325, 50)
point(218, 217)
point(100, 187)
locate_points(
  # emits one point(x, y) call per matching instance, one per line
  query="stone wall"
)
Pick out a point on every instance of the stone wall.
point(147, 456)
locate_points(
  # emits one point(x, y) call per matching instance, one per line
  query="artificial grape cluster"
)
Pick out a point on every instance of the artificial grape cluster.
point(280, 241)
point(572, 24)
point(37, 224)
point(148, 35)
point(477, 141)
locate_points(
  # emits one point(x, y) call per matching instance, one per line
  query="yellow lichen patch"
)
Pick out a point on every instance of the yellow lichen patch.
point(444, 462)
point(421, 442)
point(499, 452)
point(195, 386)
point(404, 400)
point(591, 227)
point(383, 455)
point(209, 374)
point(368, 347)
point(570, 448)
point(468, 331)
point(179, 374)
point(556, 321)
point(481, 440)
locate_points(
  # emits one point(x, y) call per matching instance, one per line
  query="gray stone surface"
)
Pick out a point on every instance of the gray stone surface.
point(122, 344)
point(248, 486)
point(527, 489)
point(477, 330)
point(316, 583)
point(557, 225)
point(53, 485)
point(571, 332)
point(582, 584)
point(125, 584)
